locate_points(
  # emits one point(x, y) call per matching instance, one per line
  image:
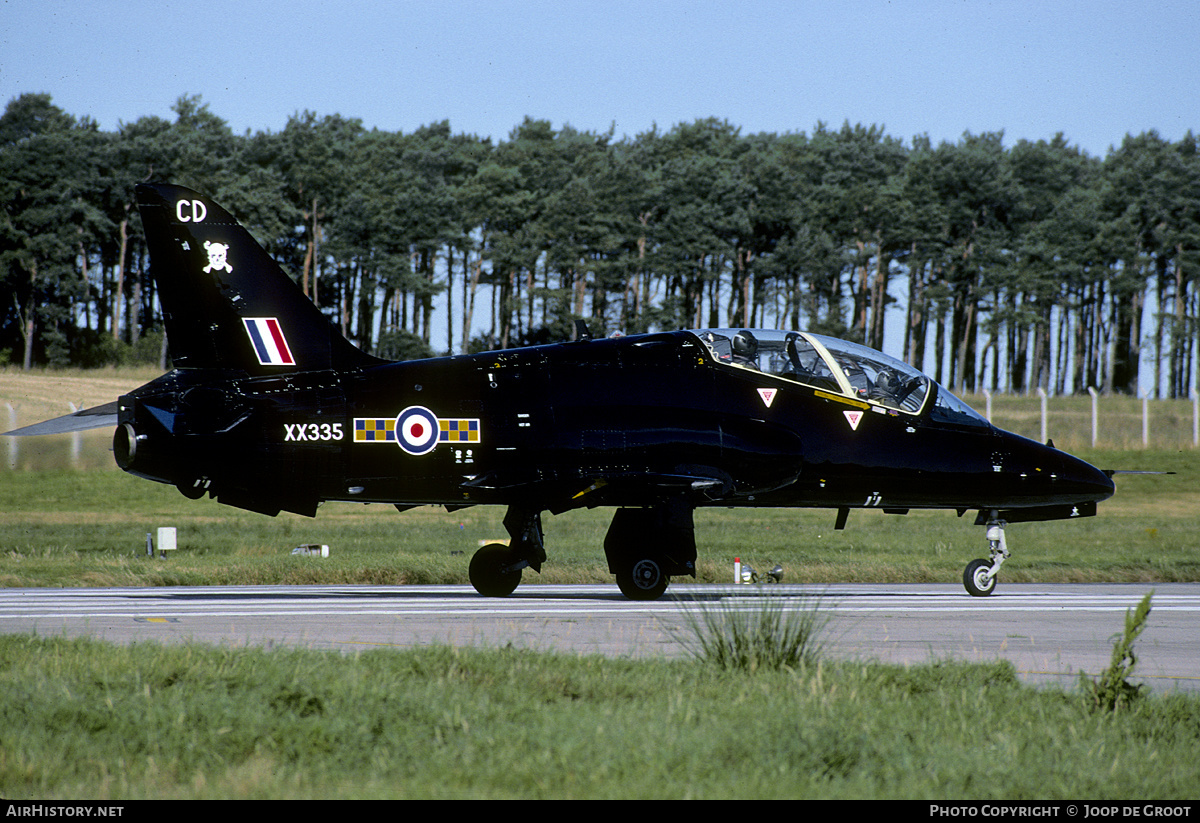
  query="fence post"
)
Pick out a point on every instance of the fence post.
point(76, 438)
point(12, 441)
point(1095, 412)
point(1042, 394)
point(1146, 421)
point(1195, 418)
point(987, 401)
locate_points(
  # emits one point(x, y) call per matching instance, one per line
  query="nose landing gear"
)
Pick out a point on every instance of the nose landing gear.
point(979, 578)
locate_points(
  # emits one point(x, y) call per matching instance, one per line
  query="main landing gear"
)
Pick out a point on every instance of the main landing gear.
point(979, 577)
point(495, 569)
point(647, 547)
point(644, 548)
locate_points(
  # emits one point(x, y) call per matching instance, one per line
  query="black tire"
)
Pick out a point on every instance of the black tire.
point(975, 579)
point(642, 579)
point(489, 571)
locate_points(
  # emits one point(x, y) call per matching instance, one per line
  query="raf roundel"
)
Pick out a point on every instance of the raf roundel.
point(417, 430)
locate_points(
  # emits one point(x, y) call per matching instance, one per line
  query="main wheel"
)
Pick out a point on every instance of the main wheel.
point(976, 579)
point(642, 579)
point(491, 571)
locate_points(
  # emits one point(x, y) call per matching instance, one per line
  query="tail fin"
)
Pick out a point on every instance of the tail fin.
point(227, 304)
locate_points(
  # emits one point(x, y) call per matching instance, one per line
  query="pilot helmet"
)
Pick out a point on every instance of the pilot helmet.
point(745, 345)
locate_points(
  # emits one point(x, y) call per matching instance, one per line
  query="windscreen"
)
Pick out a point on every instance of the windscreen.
point(877, 377)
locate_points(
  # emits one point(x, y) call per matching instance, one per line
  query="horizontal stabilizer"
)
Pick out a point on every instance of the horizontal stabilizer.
point(99, 417)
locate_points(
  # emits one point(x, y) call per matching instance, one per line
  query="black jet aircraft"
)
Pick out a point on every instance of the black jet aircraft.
point(269, 408)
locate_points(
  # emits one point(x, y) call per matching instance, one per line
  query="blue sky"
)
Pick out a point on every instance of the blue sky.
point(1092, 70)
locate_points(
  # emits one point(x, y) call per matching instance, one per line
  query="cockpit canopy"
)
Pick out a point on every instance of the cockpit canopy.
point(823, 363)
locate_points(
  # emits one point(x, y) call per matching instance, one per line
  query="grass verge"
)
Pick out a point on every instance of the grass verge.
point(81, 718)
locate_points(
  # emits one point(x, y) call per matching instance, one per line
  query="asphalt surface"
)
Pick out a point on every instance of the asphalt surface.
point(1051, 633)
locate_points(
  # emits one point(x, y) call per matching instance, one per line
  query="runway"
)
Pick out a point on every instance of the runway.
point(1050, 632)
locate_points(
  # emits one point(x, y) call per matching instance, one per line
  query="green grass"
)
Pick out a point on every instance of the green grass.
point(82, 718)
point(88, 527)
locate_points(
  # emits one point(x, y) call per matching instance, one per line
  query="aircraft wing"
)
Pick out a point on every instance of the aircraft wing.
point(624, 485)
point(659, 483)
point(97, 417)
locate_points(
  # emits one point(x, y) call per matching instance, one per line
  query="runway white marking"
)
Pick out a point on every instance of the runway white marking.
point(26, 604)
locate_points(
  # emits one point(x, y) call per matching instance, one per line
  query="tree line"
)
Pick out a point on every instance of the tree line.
point(990, 267)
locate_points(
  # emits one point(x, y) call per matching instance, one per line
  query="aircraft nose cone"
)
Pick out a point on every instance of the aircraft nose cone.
point(1088, 480)
point(1056, 476)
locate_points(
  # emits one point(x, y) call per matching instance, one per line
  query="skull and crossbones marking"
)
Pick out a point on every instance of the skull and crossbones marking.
point(216, 257)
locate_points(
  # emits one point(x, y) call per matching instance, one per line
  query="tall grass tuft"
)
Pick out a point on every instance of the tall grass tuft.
point(1113, 690)
point(771, 629)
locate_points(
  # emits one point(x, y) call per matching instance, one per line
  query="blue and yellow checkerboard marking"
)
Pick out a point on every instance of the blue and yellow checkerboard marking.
point(458, 430)
point(383, 430)
point(374, 430)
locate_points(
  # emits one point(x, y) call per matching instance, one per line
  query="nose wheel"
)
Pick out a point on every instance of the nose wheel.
point(979, 577)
